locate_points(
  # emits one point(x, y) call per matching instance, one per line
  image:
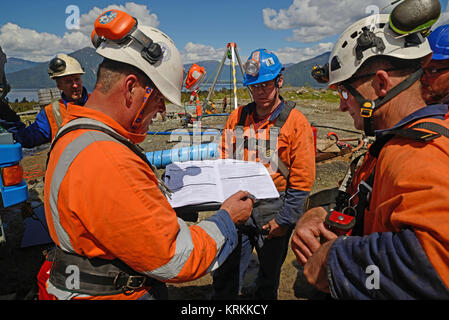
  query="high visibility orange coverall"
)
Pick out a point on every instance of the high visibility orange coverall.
point(406, 230)
point(295, 146)
point(105, 202)
point(52, 118)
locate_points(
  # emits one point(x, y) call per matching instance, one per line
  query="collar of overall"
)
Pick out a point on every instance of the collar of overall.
point(367, 107)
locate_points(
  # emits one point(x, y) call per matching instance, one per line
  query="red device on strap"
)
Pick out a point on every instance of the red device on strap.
point(340, 223)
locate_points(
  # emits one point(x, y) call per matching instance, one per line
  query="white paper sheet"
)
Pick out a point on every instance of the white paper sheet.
point(198, 182)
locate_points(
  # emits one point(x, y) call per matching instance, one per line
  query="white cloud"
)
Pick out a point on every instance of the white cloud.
point(295, 55)
point(37, 46)
point(194, 52)
point(311, 34)
point(42, 46)
point(139, 11)
point(315, 20)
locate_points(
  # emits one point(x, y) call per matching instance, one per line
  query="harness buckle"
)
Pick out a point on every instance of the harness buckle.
point(128, 283)
point(367, 109)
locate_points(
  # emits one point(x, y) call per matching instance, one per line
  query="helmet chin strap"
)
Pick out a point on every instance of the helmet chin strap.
point(367, 107)
point(135, 126)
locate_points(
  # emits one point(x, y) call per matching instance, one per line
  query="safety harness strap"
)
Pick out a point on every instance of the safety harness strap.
point(95, 276)
point(90, 125)
point(245, 111)
point(410, 133)
point(278, 124)
point(366, 186)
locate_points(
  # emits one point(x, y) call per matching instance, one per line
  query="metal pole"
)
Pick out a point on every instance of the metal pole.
point(211, 90)
point(233, 45)
point(243, 72)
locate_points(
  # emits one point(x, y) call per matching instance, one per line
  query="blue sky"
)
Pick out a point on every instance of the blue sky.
point(294, 29)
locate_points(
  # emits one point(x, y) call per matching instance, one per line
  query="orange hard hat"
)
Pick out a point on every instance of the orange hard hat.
point(195, 76)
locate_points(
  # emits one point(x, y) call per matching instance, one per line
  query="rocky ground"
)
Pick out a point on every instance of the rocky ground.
point(18, 267)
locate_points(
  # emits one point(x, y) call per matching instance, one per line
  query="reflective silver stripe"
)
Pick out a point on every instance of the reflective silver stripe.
point(184, 247)
point(84, 121)
point(56, 113)
point(214, 232)
point(184, 244)
point(63, 295)
point(64, 162)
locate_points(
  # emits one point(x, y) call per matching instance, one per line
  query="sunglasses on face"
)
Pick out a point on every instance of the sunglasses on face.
point(342, 92)
point(263, 85)
point(432, 71)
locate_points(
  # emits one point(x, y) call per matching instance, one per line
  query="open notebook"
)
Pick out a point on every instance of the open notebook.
point(213, 181)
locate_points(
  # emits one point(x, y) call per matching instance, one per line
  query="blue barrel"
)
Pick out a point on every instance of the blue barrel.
point(162, 158)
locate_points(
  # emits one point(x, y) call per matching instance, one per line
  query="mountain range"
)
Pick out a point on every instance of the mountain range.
point(16, 64)
point(23, 74)
point(36, 76)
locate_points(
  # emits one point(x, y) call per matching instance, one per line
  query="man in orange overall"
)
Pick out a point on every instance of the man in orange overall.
point(399, 245)
point(117, 236)
point(273, 132)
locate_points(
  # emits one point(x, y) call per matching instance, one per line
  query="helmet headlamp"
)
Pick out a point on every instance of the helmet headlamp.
point(252, 66)
point(121, 28)
point(56, 65)
point(321, 73)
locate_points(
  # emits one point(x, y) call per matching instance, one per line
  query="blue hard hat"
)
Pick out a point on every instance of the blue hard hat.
point(439, 42)
point(261, 66)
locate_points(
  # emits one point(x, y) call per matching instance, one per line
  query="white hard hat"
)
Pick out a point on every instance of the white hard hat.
point(369, 37)
point(166, 72)
point(64, 65)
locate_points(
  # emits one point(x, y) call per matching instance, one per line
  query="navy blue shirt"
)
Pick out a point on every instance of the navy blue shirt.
point(39, 132)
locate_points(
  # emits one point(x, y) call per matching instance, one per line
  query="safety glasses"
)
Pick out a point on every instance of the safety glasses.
point(344, 94)
point(343, 91)
point(148, 92)
point(433, 71)
point(263, 85)
point(143, 114)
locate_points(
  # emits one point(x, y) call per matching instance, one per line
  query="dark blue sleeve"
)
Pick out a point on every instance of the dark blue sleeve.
point(292, 208)
point(383, 265)
point(36, 134)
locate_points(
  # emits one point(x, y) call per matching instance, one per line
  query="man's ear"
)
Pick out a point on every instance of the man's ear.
point(382, 83)
point(129, 86)
point(58, 84)
point(280, 81)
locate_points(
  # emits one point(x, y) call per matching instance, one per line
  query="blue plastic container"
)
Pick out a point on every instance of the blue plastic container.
point(162, 158)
